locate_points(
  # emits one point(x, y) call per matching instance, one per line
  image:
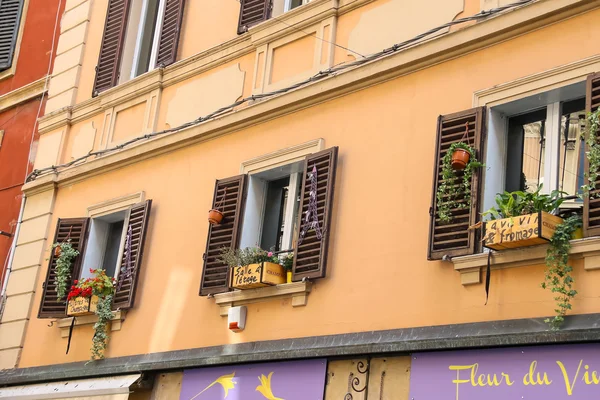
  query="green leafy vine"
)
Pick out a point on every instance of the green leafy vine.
point(449, 190)
point(64, 263)
point(590, 135)
point(100, 339)
point(558, 272)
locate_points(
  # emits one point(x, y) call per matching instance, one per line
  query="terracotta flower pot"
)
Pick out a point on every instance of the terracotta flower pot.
point(215, 217)
point(57, 251)
point(460, 159)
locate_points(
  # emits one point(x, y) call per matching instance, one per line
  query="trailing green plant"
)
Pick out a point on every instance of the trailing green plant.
point(513, 204)
point(450, 189)
point(590, 135)
point(64, 263)
point(100, 338)
point(558, 272)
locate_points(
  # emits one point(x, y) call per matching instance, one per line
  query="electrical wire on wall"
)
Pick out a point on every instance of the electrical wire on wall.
point(317, 77)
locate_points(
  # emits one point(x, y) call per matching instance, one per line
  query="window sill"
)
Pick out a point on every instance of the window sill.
point(470, 266)
point(297, 291)
point(65, 323)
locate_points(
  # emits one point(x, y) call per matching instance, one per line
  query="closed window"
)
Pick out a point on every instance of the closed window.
point(10, 20)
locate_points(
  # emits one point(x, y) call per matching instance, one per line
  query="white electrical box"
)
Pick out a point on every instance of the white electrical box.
point(236, 318)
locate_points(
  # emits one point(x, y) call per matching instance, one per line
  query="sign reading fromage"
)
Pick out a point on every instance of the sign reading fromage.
point(546, 372)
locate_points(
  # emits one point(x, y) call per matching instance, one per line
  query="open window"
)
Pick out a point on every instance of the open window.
point(253, 12)
point(527, 143)
point(139, 35)
point(101, 243)
point(268, 210)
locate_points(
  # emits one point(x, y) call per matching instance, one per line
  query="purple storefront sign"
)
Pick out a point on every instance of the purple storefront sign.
point(290, 380)
point(530, 373)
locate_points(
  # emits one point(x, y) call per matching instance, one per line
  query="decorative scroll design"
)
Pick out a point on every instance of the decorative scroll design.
point(312, 216)
point(355, 382)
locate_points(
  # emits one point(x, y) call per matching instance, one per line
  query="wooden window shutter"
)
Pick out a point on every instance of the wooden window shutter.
point(591, 203)
point(75, 229)
point(253, 12)
point(169, 33)
point(310, 253)
point(138, 223)
point(455, 238)
point(109, 61)
point(229, 198)
point(10, 18)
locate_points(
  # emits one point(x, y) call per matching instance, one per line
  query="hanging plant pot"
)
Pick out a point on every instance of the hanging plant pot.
point(460, 159)
point(57, 251)
point(215, 217)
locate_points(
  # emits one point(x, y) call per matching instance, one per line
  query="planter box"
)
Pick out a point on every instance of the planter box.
point(257, 275)
point(521, 231)
point(79, 306)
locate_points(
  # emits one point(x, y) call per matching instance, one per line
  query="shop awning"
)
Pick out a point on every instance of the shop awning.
point(109, 388)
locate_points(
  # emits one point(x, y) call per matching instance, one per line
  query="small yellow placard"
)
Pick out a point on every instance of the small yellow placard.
point(82, 306)
point(521, 231)
point(257, 275)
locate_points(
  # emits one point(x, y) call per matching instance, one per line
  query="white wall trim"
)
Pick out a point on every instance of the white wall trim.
point(537, 83)
point(116, 204)
point(281, 157)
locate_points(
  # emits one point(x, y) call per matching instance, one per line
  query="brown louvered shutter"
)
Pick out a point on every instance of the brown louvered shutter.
point(10, 18)
point(229, 198)
point(169, 33)
point(591, 203)
point(253, 12)
point(310, 254)
point(138, 222)
point(109, 61)
point(455, 238)
point(75, 229)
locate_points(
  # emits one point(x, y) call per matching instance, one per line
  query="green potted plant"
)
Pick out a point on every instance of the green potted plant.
point(287, 262)
point(94, 296)
point(451, 189)
point(64, 255)
point(522, 219)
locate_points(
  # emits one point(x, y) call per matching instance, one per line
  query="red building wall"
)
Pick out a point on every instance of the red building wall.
point(19, 122)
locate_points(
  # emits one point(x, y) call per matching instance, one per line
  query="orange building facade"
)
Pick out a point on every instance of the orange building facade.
point(314, 128)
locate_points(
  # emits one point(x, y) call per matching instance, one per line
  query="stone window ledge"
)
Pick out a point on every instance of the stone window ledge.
point(470, 266)
point(65, 323)
point(297, 291)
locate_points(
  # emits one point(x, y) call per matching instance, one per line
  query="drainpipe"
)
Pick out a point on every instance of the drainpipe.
point(11, 256)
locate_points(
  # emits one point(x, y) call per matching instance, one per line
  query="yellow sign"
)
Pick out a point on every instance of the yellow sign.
point(521, 231)
point(82, 306)
point(257, 275)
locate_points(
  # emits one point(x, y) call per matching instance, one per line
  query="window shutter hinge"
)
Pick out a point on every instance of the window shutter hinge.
point(44, 285)
point(204, 257)
point(431, 211)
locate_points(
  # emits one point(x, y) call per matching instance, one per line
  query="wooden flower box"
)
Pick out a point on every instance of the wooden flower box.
point(79, 306)
point(521, 231)
point(257, 275)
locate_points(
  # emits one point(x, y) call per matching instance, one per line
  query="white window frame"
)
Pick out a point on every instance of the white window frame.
point(155, 39)
point(497, 138)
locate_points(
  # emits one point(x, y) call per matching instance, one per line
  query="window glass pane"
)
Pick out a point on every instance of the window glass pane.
point(274, 213)
point(113, 244)
point(526, 151)
point(572, 150)
point(147, 37)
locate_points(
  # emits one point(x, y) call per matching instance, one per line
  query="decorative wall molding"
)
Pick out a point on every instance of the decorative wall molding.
point(22, 94)
point(470, 266)
point(536, 83)
point(281, 157)
point(454, 44)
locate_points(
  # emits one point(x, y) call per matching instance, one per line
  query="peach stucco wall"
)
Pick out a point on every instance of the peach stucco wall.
point(378, 276)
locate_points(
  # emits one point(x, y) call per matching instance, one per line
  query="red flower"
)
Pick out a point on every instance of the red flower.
point(76, 281)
